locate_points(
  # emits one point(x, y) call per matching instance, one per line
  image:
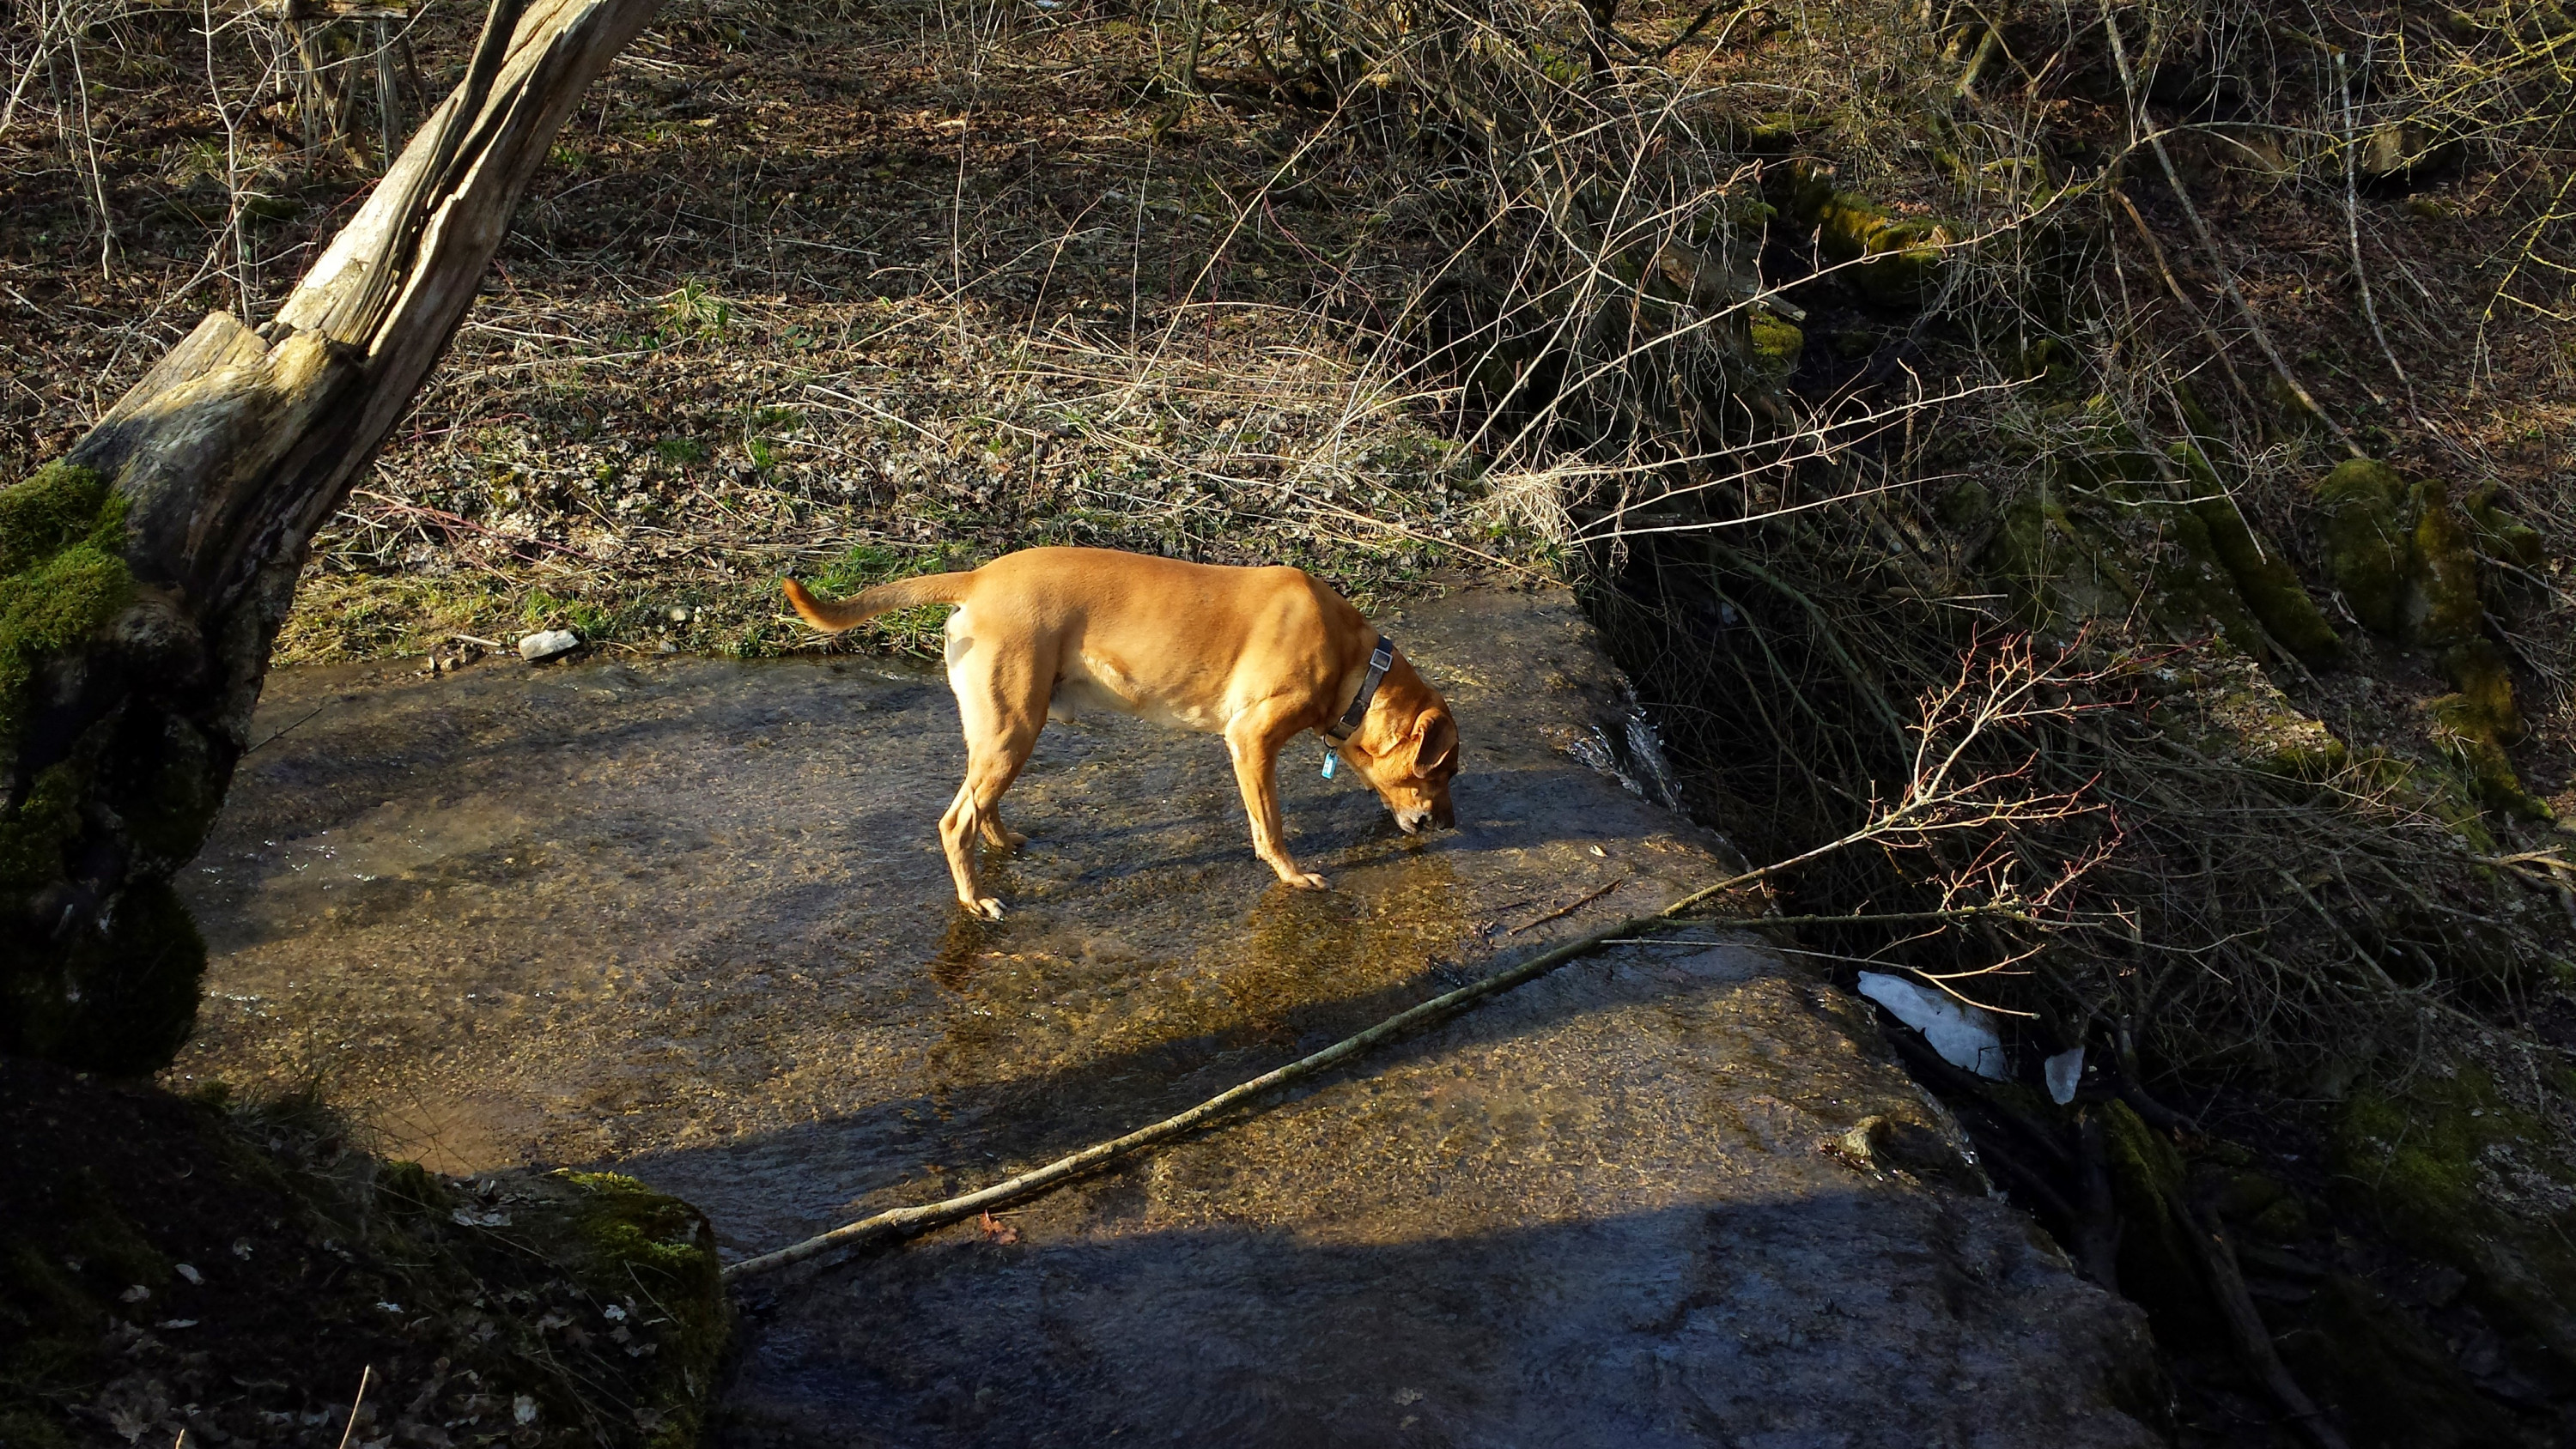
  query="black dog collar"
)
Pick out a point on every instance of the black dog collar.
point(1379, 660)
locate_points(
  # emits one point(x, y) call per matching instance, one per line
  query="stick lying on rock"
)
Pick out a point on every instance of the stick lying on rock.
point(1936, 799)
point(899, 1222)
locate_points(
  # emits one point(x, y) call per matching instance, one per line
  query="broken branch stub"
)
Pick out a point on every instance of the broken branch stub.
point(144, 577)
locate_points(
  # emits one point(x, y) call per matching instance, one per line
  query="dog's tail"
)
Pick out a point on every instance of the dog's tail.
point(832, 618)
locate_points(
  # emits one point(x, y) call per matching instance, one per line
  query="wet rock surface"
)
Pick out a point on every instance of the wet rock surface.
point(688, 919)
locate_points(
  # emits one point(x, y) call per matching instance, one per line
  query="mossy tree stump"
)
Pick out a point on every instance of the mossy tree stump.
point(144, 575)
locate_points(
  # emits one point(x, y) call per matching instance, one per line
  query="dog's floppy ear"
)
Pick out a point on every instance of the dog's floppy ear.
point(1435, 739)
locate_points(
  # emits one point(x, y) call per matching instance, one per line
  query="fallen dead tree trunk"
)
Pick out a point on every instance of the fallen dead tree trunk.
point(144, 575)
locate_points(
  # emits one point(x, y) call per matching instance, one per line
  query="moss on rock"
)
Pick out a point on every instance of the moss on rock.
point(2468, 734)
point(2158, 1267)
point(2499, 534)
point(2477, 669)
point(2437, 1165)
point(2262, 573)
point(2442, 607)
point(1775, 344)
point(1900, 259)
point(61, 576)
point(2245, 716)
point(635, 1239)
point(2058, 569)
point(2369, 549)
point(2407, 562)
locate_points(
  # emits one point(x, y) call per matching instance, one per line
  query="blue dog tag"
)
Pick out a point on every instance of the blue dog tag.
point(1330, 760)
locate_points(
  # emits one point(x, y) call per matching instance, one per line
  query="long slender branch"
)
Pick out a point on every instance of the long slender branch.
point(2209, 244)
point(1929, 793)
point(897, 1222)
point(2352, 233)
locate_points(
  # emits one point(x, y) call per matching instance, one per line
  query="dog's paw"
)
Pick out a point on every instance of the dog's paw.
point(1013, 839)
point(1306, 880)
point(988, 908)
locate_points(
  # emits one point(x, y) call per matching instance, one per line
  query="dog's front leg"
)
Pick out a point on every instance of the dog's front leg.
point(1254, 739)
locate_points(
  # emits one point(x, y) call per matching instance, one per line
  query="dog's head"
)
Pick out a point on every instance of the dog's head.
point(1407, 749)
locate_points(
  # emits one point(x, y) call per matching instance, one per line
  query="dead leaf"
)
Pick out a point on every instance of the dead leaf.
point(998, 1231)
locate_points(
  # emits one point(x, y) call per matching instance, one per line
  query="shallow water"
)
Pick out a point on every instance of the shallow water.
point(689, 919)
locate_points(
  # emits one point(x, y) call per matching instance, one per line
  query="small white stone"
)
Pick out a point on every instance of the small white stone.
point(547, 644)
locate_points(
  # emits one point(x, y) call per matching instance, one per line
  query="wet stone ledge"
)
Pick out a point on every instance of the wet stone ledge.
point(687, 921)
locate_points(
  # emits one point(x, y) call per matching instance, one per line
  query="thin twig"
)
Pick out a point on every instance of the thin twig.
point(1558, 915)
point(365, 1373)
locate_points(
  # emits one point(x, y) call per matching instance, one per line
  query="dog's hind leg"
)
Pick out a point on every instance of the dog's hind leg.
point(1001, 702)
point(996, 834)
point(975, 812)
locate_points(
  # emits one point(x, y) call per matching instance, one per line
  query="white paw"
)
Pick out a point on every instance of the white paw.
point(988, 908)
point(1305, 880)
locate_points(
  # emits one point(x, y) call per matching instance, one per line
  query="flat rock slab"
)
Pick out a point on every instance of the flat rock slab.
point(689, 919)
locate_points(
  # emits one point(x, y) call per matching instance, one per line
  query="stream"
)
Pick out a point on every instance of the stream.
point(687, 919)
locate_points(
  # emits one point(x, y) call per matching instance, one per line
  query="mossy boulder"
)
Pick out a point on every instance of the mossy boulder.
point(2117, 535)
point(1773, 344)
point(1900, 260)
point(2243, 1195)
point(2159, 1267)
point(2405, 558)
point(2499, 534)
point(2468, 734)
point(2459, 1174)
point(2058, 568)
point(2189, 584)
point(2369, 546)
point(2245, 716)
point(635, 1241)
point(1767, 133)
point(2441, 602)
point(2270, 588)
point(2407, 561)
point(2477, 669)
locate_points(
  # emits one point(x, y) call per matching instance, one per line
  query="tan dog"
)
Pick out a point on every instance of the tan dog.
point(1254, 654)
